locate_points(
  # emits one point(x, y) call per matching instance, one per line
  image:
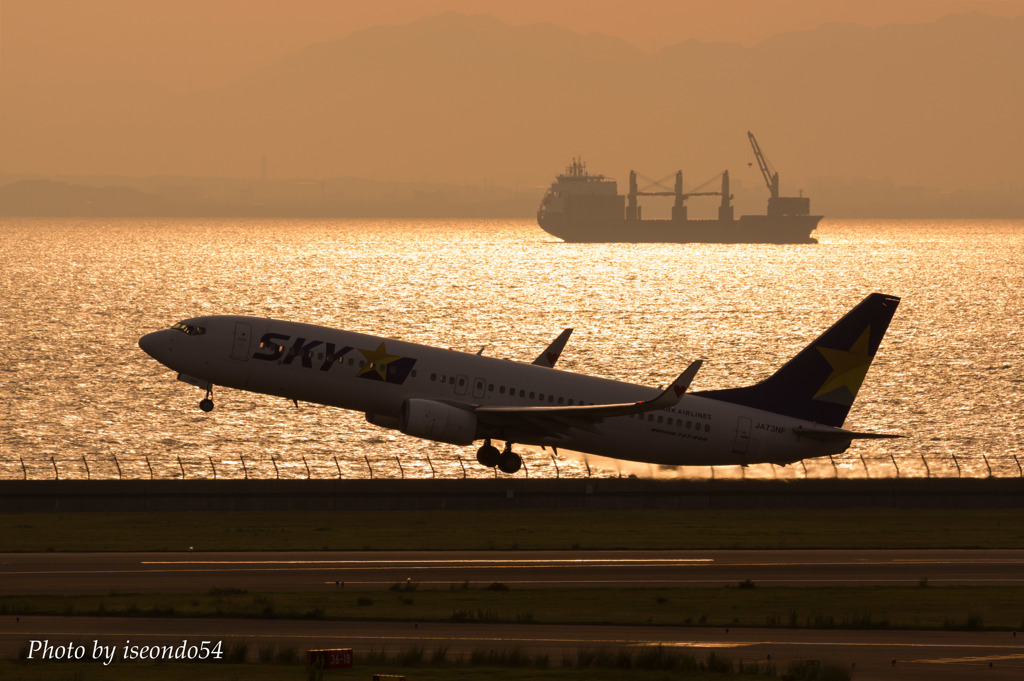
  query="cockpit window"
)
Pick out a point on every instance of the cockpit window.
point(189, 329)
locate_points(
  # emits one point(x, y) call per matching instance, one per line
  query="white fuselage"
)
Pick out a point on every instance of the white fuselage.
point(377, 376)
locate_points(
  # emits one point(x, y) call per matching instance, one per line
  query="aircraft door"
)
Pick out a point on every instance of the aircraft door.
point(243, 339)
point(479, 388)
point(742, 435)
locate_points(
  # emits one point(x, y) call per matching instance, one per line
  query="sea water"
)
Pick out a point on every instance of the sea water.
point(80, 399)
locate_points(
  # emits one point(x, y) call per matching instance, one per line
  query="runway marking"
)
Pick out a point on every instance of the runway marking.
point(947, 561)
point(481, 561)
point(958, 660)
point(662, 581)
point(713, 582)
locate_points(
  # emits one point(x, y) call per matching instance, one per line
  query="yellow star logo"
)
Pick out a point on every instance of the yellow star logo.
point(849, 367)
point(377, 361)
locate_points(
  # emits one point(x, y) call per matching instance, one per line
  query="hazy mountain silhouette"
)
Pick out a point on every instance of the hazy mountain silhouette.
point(458, 98)
point(48, 198)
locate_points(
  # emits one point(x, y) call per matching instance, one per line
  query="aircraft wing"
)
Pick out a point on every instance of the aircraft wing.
point(553, 351)
point(561, 419)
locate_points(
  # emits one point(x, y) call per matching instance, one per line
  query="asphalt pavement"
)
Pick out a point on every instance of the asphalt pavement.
point(874, 654)
point(92, 573)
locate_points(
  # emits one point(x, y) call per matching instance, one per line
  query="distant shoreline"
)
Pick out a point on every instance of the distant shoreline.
point(364, 199)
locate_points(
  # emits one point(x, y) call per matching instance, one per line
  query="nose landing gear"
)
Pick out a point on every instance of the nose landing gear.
point(206, 404)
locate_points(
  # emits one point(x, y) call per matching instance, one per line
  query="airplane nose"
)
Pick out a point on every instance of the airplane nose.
point(152, 343)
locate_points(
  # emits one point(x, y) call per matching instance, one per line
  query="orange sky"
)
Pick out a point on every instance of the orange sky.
point(194, 44)
point(206, 88)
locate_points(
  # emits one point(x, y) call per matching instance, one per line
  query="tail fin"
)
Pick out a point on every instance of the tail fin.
point(820, 383)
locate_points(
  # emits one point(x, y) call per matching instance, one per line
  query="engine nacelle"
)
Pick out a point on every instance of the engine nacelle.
point(437, 421)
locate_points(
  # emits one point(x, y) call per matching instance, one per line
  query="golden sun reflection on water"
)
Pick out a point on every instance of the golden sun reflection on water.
point(81, 398)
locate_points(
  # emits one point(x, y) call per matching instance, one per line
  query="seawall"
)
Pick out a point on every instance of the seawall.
point(476, 494)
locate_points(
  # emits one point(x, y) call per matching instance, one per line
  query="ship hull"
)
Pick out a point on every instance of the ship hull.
point(748, 229)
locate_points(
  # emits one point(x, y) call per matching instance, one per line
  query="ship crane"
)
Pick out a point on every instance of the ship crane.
point(770, 179)
point(679, 212)
point(677, 191)
point(777, 205)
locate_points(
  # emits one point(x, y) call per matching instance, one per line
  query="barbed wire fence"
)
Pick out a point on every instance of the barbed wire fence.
point(543, 464)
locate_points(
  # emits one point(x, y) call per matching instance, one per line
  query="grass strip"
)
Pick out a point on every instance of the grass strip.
point(875, 607)
point(515, 529)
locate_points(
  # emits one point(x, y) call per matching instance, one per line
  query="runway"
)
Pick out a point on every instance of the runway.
point(880, 655)
point(97, 573)
point(931, 655)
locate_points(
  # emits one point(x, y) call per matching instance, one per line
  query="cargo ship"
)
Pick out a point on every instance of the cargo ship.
point(585, 208)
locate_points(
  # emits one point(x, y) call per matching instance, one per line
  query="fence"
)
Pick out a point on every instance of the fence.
point(541, 464)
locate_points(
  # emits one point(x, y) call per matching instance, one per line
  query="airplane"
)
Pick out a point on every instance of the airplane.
point(459, 398)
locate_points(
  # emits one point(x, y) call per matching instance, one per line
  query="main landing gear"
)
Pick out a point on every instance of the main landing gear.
point(507, 461)
point(488, 455)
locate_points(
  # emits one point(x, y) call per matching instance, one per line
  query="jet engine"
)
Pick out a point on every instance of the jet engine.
point(437, 421)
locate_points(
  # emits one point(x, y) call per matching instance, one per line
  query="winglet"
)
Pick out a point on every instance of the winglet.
point(553, 351)
point(674, 392)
